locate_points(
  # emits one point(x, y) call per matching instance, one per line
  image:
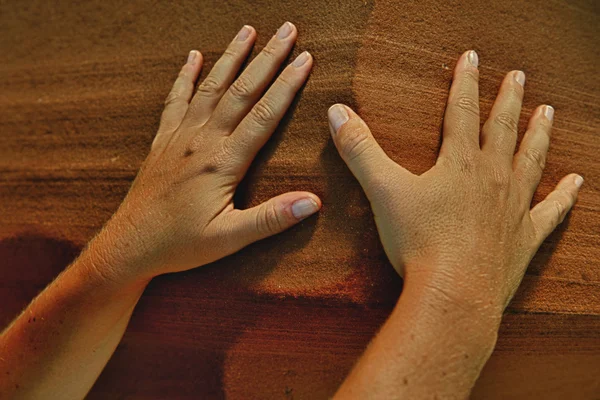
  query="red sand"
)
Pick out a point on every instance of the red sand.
point(81, 92)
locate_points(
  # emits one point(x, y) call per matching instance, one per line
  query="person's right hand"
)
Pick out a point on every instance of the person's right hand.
point(463, 229)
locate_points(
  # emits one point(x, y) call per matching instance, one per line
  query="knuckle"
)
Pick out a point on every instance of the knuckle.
point(536, 157)
point(500, 177)
point(506, 121)
point(465, 160)
point(468, 104)
point(210, 87)
point(544, 126)
point(471, 76)
point(241, 89)
point(566, 198)
point(268, 219)
point(285, 81)
point(515, 90)
point(229, 53)
point(269, 51)
point(172, 97)
point(559, 212)
point(561, 205)
point(353, 142)
point(263, 113)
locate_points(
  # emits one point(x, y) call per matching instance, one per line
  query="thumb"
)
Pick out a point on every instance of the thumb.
point(273, 216)
point(357, 146)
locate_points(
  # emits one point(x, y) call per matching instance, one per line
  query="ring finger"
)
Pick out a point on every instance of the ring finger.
point(250, 85)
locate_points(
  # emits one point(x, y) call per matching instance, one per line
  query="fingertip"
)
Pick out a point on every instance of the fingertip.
point(570, 179)
point(578, 181)
point(338, 115)
point(309, 195)
point(287, 30)
point(472, 58)
point(571, 183)
point(303, 59)
point(468, 60)
point(194, 57)
point(305, 206)
point(519, 77)
point(541, 116)
point(548, 112)
point(294, 27)
point(317, 199)
point(246, 32)
point(511, 89)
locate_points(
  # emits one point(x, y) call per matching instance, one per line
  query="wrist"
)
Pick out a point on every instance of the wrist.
point(457, 288)
point(106, 260)
point(461, 305)
point(463, 337)
point(440, 339)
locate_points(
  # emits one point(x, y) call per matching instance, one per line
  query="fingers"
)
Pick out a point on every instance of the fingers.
point(461, 120)
point(221, 76)
point(177, 102)
point(256, 128)
point(530, 160)
point(357, 146)
point(499, 133)
point(550, 212)
point(247, 89)
point(272, 217)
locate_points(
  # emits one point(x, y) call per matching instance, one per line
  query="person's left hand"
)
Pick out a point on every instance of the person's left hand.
point(179, 213)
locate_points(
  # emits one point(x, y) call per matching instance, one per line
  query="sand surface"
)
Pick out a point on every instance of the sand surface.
point(81, 90)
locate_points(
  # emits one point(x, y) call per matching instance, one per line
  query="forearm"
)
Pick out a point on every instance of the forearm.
point(61, 342)
point(428, 348)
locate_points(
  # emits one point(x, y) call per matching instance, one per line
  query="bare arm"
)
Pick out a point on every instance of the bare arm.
point(59, 345)
point(462, 234)
point(428, 347)
point(178, 215)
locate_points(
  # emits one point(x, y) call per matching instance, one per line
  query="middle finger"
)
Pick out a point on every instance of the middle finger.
point(499, 133)
point(247, 89)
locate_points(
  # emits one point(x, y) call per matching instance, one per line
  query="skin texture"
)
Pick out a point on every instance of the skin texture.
point(179, 214)
point(461, 234)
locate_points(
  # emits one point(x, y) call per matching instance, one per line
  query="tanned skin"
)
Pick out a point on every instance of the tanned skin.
point(461, 234)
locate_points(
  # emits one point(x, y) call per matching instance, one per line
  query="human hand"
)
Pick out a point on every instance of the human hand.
point(179, 212)
point(464, 228)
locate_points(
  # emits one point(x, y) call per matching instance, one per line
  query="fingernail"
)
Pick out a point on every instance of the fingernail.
point(520, 78)
point(301, 59)
point(578, 181)
point(284, 30)
point(192, 57)
point(338, 116)
point(243, 33)
point(305, 207)
point(549, 112)
point(473, 58)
